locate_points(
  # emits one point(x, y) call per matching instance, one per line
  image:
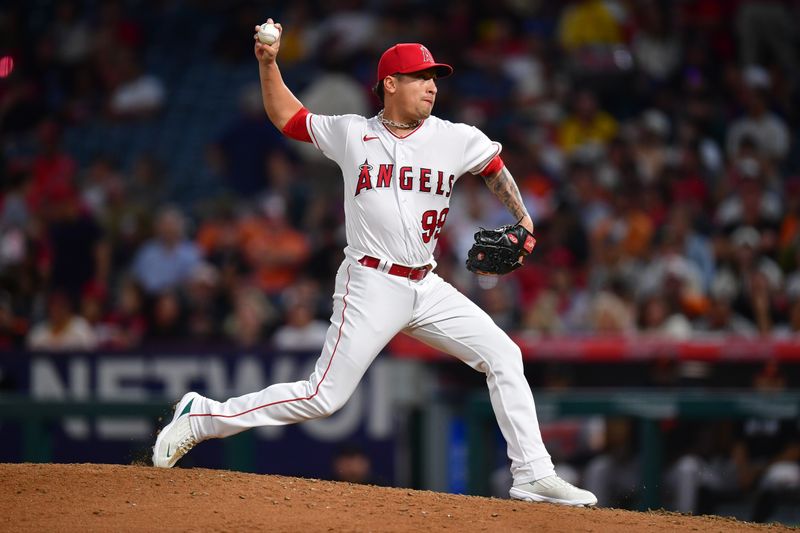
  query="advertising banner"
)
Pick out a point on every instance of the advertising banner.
point(364, 424)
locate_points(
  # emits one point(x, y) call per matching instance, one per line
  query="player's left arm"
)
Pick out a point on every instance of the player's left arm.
point(502, 184)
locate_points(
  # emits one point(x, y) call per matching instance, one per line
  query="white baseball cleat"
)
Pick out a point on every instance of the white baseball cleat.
point(553, 489)
point(176, 439)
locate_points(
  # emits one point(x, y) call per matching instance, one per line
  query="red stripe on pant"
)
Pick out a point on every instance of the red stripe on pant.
point(344, 299)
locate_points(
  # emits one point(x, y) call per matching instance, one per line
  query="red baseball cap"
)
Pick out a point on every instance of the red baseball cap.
point(405, 58)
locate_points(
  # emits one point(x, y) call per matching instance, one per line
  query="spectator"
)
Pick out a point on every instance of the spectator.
point(146, 182)
point(769, 131)
point(693, 245)
point(625, 233)
point(221, 243)
point(114, 34)
point(335, 91)
point(772, 447)
point(658, 318)
point(689, 180)
point(499, 302)
point(762, 288)
point(135, 94)
point(274, 249)
point(347, 29)
point(612, 311)
point(650, 151)
point(562, 307)
point(63, 330)
point(166, 261)
point(780, 483)
point(752, 204)
point(246, 325)
point(284, 180)
point(301, 330)
point(127, 323)
point(168, 320)
point(79, 254)
point(615, 474)
point(205, 304)
point(125, 222)
point(759, 278)
point(656, 47)
point(587, 124)
point(53, 170)
point(14, 219)
point(588, 23)
point(93, 308)
point(96, 184)
point(713, 469)
point(720, 318)
point(352, 465)
point(71, 34)
point(672, 273)
point(526, 67)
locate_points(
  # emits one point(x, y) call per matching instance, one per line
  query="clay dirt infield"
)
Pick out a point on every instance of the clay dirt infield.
point(91, 497)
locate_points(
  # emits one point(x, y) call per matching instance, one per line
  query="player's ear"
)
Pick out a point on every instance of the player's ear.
point(389, 85)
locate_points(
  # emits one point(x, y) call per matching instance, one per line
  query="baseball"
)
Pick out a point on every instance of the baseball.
point(268, 33)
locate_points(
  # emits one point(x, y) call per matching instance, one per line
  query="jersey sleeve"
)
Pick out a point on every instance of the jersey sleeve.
point(479, 150)
point(330, 133)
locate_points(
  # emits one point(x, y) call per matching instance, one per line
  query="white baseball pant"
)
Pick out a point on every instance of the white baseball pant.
point(369, 308)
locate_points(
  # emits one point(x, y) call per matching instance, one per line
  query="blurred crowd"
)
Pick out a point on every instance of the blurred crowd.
point(655, 144)
point(748, 468)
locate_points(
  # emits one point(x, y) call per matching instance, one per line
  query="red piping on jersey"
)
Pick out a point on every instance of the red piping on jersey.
point(494, 165)
point(311, 129)
point(409, 135)
point(296, 128)
point(344, 299)
point(496, 154)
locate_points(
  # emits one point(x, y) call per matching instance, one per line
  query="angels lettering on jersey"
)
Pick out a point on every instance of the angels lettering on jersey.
point(408, 178)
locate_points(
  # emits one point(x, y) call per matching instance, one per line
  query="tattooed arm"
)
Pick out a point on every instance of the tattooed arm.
point(502, 184)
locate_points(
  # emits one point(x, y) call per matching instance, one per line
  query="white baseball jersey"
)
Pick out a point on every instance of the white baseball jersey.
point(397, 190)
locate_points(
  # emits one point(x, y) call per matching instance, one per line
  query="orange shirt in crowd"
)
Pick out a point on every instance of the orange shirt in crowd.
point(275, 250)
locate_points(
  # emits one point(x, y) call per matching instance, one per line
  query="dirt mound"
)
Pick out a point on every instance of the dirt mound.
point(90, 497)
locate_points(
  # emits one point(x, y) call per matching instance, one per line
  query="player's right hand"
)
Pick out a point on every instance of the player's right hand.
point(266, 53)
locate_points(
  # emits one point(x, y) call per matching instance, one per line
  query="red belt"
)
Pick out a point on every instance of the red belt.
point(414, 274)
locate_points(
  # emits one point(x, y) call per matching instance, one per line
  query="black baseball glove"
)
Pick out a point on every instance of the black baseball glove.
point(501, 250)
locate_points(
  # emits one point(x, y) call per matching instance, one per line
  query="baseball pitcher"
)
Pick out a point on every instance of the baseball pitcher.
point(398, 170)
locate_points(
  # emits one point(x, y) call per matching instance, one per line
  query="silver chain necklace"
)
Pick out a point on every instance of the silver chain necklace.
point(400, 125)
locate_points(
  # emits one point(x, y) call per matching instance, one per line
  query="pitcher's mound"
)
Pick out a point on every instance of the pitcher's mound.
point(90, 497)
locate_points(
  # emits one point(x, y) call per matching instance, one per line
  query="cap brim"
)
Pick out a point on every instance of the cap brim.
point(442, 69)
